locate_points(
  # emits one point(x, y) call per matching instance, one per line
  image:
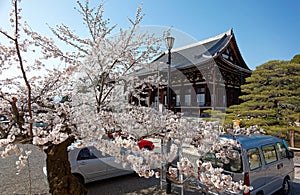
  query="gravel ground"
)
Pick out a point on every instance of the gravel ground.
point(32, 181)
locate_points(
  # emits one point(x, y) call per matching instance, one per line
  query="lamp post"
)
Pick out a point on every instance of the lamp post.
point(169, 44)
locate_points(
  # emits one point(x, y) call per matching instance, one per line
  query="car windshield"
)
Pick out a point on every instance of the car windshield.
point(233, 162)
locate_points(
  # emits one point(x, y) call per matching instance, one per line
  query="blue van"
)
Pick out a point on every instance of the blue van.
point(263, 162)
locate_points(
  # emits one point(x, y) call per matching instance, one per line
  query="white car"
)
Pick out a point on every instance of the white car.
point(88, 165)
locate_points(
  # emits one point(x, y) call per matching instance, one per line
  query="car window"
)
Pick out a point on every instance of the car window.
point(97, 153)
point(254, 158)
point(269, 153)
point(281, 150)
point(233, 164)
point(85, 154)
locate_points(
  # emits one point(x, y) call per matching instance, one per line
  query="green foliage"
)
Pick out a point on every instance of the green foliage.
point(271, 98)
point(296, 59)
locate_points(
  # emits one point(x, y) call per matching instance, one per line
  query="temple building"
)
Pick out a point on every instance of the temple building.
point(204, 75)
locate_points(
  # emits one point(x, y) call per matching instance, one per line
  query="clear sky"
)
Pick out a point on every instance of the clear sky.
point(264, 29)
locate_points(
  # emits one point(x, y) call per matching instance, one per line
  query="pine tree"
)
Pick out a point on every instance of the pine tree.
point(271, 98)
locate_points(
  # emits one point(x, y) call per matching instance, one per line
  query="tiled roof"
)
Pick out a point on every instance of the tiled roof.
point(192, 54)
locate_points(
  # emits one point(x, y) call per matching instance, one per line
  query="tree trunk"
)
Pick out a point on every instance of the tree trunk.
point(292, 136)
point(59, 176)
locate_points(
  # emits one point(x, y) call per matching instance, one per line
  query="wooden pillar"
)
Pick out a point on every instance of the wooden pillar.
point(214, 89)
point(149, 97)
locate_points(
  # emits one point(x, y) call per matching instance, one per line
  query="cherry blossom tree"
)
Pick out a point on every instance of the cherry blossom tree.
point(106, 78)
point(97, 78)
point(29, 82)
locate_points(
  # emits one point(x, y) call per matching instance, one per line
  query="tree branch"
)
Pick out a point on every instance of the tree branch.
point(22, 68)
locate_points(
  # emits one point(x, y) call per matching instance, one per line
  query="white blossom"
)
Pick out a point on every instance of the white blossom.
point(92, 80)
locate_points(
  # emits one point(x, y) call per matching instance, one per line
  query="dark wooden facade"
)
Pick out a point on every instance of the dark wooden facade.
point(204, 75)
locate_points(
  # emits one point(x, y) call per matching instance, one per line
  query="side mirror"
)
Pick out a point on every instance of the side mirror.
point(290, 154)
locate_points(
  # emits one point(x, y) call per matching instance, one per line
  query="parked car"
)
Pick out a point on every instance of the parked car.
point(2, 117)
point(88, 164)
point(263, 162)
point(3, 120)
point(40, 124)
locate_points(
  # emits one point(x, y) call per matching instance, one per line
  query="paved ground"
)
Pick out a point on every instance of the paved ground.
point(132, 185)
point(297, 168)
point(32, 180)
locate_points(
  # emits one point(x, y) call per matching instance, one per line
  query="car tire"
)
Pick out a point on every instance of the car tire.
point(80, 178)
point(286, 188)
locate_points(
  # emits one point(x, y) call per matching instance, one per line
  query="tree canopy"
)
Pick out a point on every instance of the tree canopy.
point(296, 59)
point(271, 97)
point(98, 72)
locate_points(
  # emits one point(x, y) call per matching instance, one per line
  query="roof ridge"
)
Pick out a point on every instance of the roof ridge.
point(210, 39)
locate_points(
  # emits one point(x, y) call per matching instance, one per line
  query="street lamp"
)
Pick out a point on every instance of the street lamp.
point(169, 44)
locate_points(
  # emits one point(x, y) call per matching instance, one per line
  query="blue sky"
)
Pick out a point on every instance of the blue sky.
point(264, 29)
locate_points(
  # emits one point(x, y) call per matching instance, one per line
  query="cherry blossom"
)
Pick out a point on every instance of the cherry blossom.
point(93, 86)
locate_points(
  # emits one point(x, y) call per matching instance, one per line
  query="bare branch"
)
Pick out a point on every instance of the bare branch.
point(5, 34)
point(22, 68)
